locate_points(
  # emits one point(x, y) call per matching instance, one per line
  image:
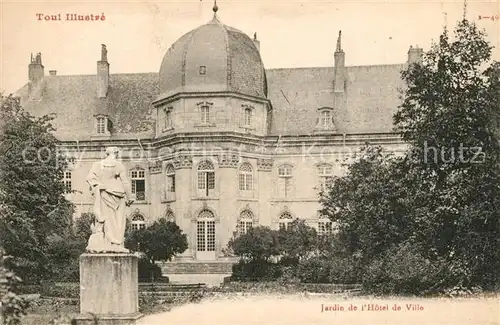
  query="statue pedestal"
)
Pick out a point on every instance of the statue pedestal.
point(109, 289)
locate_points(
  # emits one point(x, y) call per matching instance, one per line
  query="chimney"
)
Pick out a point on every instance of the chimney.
point(103, 73)
point(35, 69)
point(52, 72)
point(35, 75)
point(415, 55)
point(339, 58)
point(256, 42)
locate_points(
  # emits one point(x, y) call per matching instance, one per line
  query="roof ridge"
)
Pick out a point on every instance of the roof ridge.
point(332, 67)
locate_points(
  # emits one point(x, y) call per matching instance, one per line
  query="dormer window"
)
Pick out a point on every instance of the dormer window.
point(101, 125)
point(325, 119)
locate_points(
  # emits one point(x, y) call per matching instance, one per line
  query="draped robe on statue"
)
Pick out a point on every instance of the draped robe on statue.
point(109, 183)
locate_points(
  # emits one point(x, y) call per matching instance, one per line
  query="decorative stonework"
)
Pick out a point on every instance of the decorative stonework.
point(228, 160)
point(183, 161)
point(264, 164)
point(155, 166)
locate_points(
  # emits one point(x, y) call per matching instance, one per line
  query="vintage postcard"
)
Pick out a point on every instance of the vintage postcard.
point(250, 162)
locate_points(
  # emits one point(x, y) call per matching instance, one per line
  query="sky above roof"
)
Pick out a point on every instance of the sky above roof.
point(292, 34)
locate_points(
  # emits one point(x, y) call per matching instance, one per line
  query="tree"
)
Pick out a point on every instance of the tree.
point(159, 242)
point(258, 244)
point(452, 105)
point(257, 248)
point(83, 225)
point(31, 170)
point(438, 203)
point(370, 204)
point(298, 240)
point(13, 306)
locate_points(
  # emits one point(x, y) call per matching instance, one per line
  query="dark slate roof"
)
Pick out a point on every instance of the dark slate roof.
point(296, 94)
point(74, 100)
point(370, 91)
point(232, 61)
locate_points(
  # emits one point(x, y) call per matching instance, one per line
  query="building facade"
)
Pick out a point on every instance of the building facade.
point(214, 141)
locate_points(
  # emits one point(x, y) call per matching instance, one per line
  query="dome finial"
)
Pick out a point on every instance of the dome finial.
point(215, 8)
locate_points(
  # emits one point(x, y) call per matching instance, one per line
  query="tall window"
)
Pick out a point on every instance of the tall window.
point(248, 116)
point(137, 177)
point(68, 186)
point(170, 174)
point(137, 222)
point(326, 118)
point(206, 177)
point(245, 177)
point(168, 118)
point(285, 180)
point(325, 226)
point(325, 174)
point(101, 125)
point(205, 232)
point(245, 222)
point(205, 114)
point(285, 219)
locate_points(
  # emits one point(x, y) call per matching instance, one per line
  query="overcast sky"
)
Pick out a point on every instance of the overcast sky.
point(292, 34)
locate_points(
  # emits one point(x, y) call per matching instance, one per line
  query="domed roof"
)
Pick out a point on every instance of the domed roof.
point(211, 58)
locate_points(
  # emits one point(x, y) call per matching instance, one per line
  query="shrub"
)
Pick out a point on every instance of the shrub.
point(259, 243)
point(159, 242)
point(314, 270)
point(148, 271)
point(257, 270)
point(345, 270)
point(404, 270)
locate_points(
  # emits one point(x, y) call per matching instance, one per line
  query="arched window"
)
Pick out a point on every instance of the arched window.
point(206, 177)
point(170, 178)
point(284, 180)
point(325, 226)
point(284, 219)
point(245, 179)
point(325, 174)
point(169, 216)
point(138, 222)
point(205, 232)
point(138, 180)
point(245, 222)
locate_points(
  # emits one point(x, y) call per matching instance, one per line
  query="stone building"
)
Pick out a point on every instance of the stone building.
point(216, 142)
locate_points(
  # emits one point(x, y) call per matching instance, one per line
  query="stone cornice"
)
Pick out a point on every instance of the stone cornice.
point(244, 138)
point(223, 94)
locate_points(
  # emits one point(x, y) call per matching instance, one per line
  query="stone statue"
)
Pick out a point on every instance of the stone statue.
point(109, 184)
